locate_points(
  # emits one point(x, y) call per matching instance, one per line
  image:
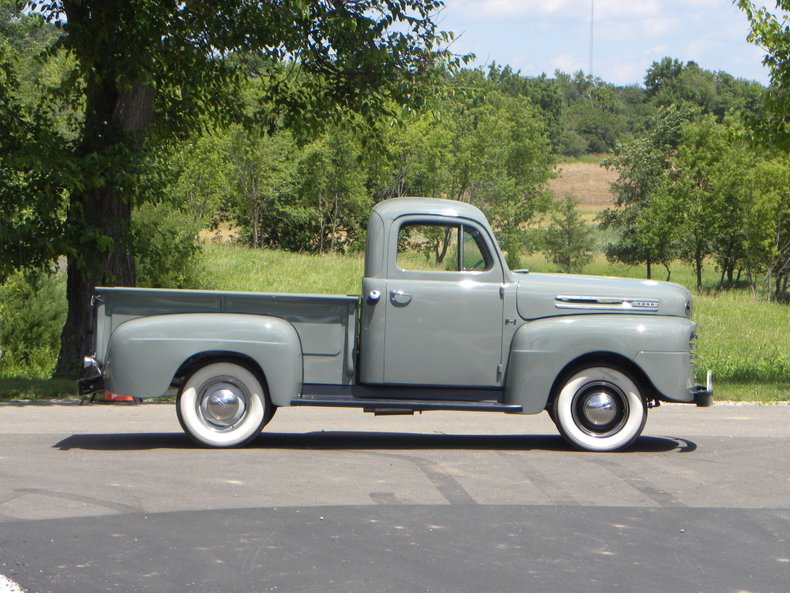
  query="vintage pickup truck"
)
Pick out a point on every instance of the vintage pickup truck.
point(442, 324)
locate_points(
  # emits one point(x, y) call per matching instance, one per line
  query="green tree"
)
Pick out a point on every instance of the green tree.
point(569, 242)
point(148, 71)
point(543, 92)
point(662, 75)
point(772, 32)
point(670, 82)
point(490, 149)
point(594, 115)
point(767, 225)
point(34, 168)
point(641, 217)
point(166, 245)
point(732, 194)
point(705, 196)
point(31, 316)
point(203, 175)
point(264, 175)
point(332, 182)
point(514, 163)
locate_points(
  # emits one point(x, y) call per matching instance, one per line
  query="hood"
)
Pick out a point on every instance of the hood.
point(550, 295)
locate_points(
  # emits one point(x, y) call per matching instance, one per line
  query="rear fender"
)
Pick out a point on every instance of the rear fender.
point(146, 354)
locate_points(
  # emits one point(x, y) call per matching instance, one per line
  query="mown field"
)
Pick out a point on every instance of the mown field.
point(744, 341)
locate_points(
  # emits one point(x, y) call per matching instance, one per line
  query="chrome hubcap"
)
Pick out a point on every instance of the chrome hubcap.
point(600, 409)
point(222, 403)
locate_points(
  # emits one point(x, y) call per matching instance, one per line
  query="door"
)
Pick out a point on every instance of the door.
point(444, 309)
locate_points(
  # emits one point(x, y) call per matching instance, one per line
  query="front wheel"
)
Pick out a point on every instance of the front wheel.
point(223, 405)
point(600, 408)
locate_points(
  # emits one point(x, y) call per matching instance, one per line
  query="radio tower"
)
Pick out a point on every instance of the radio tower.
point(592, 20)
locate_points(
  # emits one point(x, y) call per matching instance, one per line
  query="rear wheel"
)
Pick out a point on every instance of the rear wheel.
point(600, 408)
point(223, 405)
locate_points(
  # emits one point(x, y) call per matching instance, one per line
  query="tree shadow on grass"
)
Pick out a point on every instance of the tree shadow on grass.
point(352, 440)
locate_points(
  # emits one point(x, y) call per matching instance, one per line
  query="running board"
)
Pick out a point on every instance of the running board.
point(404, 406)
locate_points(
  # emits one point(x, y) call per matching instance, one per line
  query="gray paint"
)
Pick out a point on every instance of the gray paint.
point(457, 328)
point(449, 334)
point(538, 296)
point(542, 348)
point(146, 352)
point(454, 316)
point(325, 325)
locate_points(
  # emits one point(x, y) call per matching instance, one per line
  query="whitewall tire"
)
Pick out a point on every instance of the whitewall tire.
point(223, 405)
point(600, 408)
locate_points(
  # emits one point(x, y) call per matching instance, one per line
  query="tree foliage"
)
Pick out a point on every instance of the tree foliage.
point(771, 31)
point(569, 242)
point(31, 317)
point(641, 217)
point(34, 165)
point(767, 225)
point(696, 189)
point(482, 146)
point(146, 73)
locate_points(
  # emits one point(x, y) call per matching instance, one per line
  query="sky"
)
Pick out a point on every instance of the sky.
point(537, 36)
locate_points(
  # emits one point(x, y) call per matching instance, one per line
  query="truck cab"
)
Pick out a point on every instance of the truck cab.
point(434, 276)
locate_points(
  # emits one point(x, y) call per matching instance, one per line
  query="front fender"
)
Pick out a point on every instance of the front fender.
point(145, 354)
point(542, 349)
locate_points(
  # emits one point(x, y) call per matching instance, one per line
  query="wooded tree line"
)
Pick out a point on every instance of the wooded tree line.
point(129, 126)
point(486, 141)
point(695, 189)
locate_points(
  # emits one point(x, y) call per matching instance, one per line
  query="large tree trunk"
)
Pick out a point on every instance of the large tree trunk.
point(101, 217)
point(112, 214)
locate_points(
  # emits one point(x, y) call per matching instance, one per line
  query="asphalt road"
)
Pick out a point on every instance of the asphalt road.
point(116, 498)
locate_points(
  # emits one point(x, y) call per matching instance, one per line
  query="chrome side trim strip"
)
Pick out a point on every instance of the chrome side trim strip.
point(605, 303)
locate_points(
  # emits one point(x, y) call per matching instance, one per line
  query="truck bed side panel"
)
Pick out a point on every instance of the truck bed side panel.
point(326, 325)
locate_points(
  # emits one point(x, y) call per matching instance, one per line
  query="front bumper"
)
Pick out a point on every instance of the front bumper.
point(703, 396)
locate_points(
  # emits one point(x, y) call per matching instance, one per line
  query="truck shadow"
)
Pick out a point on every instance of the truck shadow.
point(351, 440)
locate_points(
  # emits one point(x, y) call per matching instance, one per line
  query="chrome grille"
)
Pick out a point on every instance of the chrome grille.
point(693, 354)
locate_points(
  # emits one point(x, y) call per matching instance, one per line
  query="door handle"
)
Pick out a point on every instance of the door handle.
point(400, 298)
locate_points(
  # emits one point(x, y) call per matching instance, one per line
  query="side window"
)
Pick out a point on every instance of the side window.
point(441, 248)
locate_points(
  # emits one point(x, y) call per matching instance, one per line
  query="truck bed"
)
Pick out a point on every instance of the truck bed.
point(326, 324)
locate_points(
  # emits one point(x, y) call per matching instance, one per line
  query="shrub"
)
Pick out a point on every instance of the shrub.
point(32, 314)
point(569, 242)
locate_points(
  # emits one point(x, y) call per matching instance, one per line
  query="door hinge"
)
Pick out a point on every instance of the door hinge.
point(499, 369)
point(501, 291)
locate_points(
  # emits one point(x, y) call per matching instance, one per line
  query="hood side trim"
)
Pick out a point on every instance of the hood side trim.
point(606, 303)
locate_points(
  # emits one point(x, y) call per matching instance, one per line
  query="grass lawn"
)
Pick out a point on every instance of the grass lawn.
point(15, 388)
